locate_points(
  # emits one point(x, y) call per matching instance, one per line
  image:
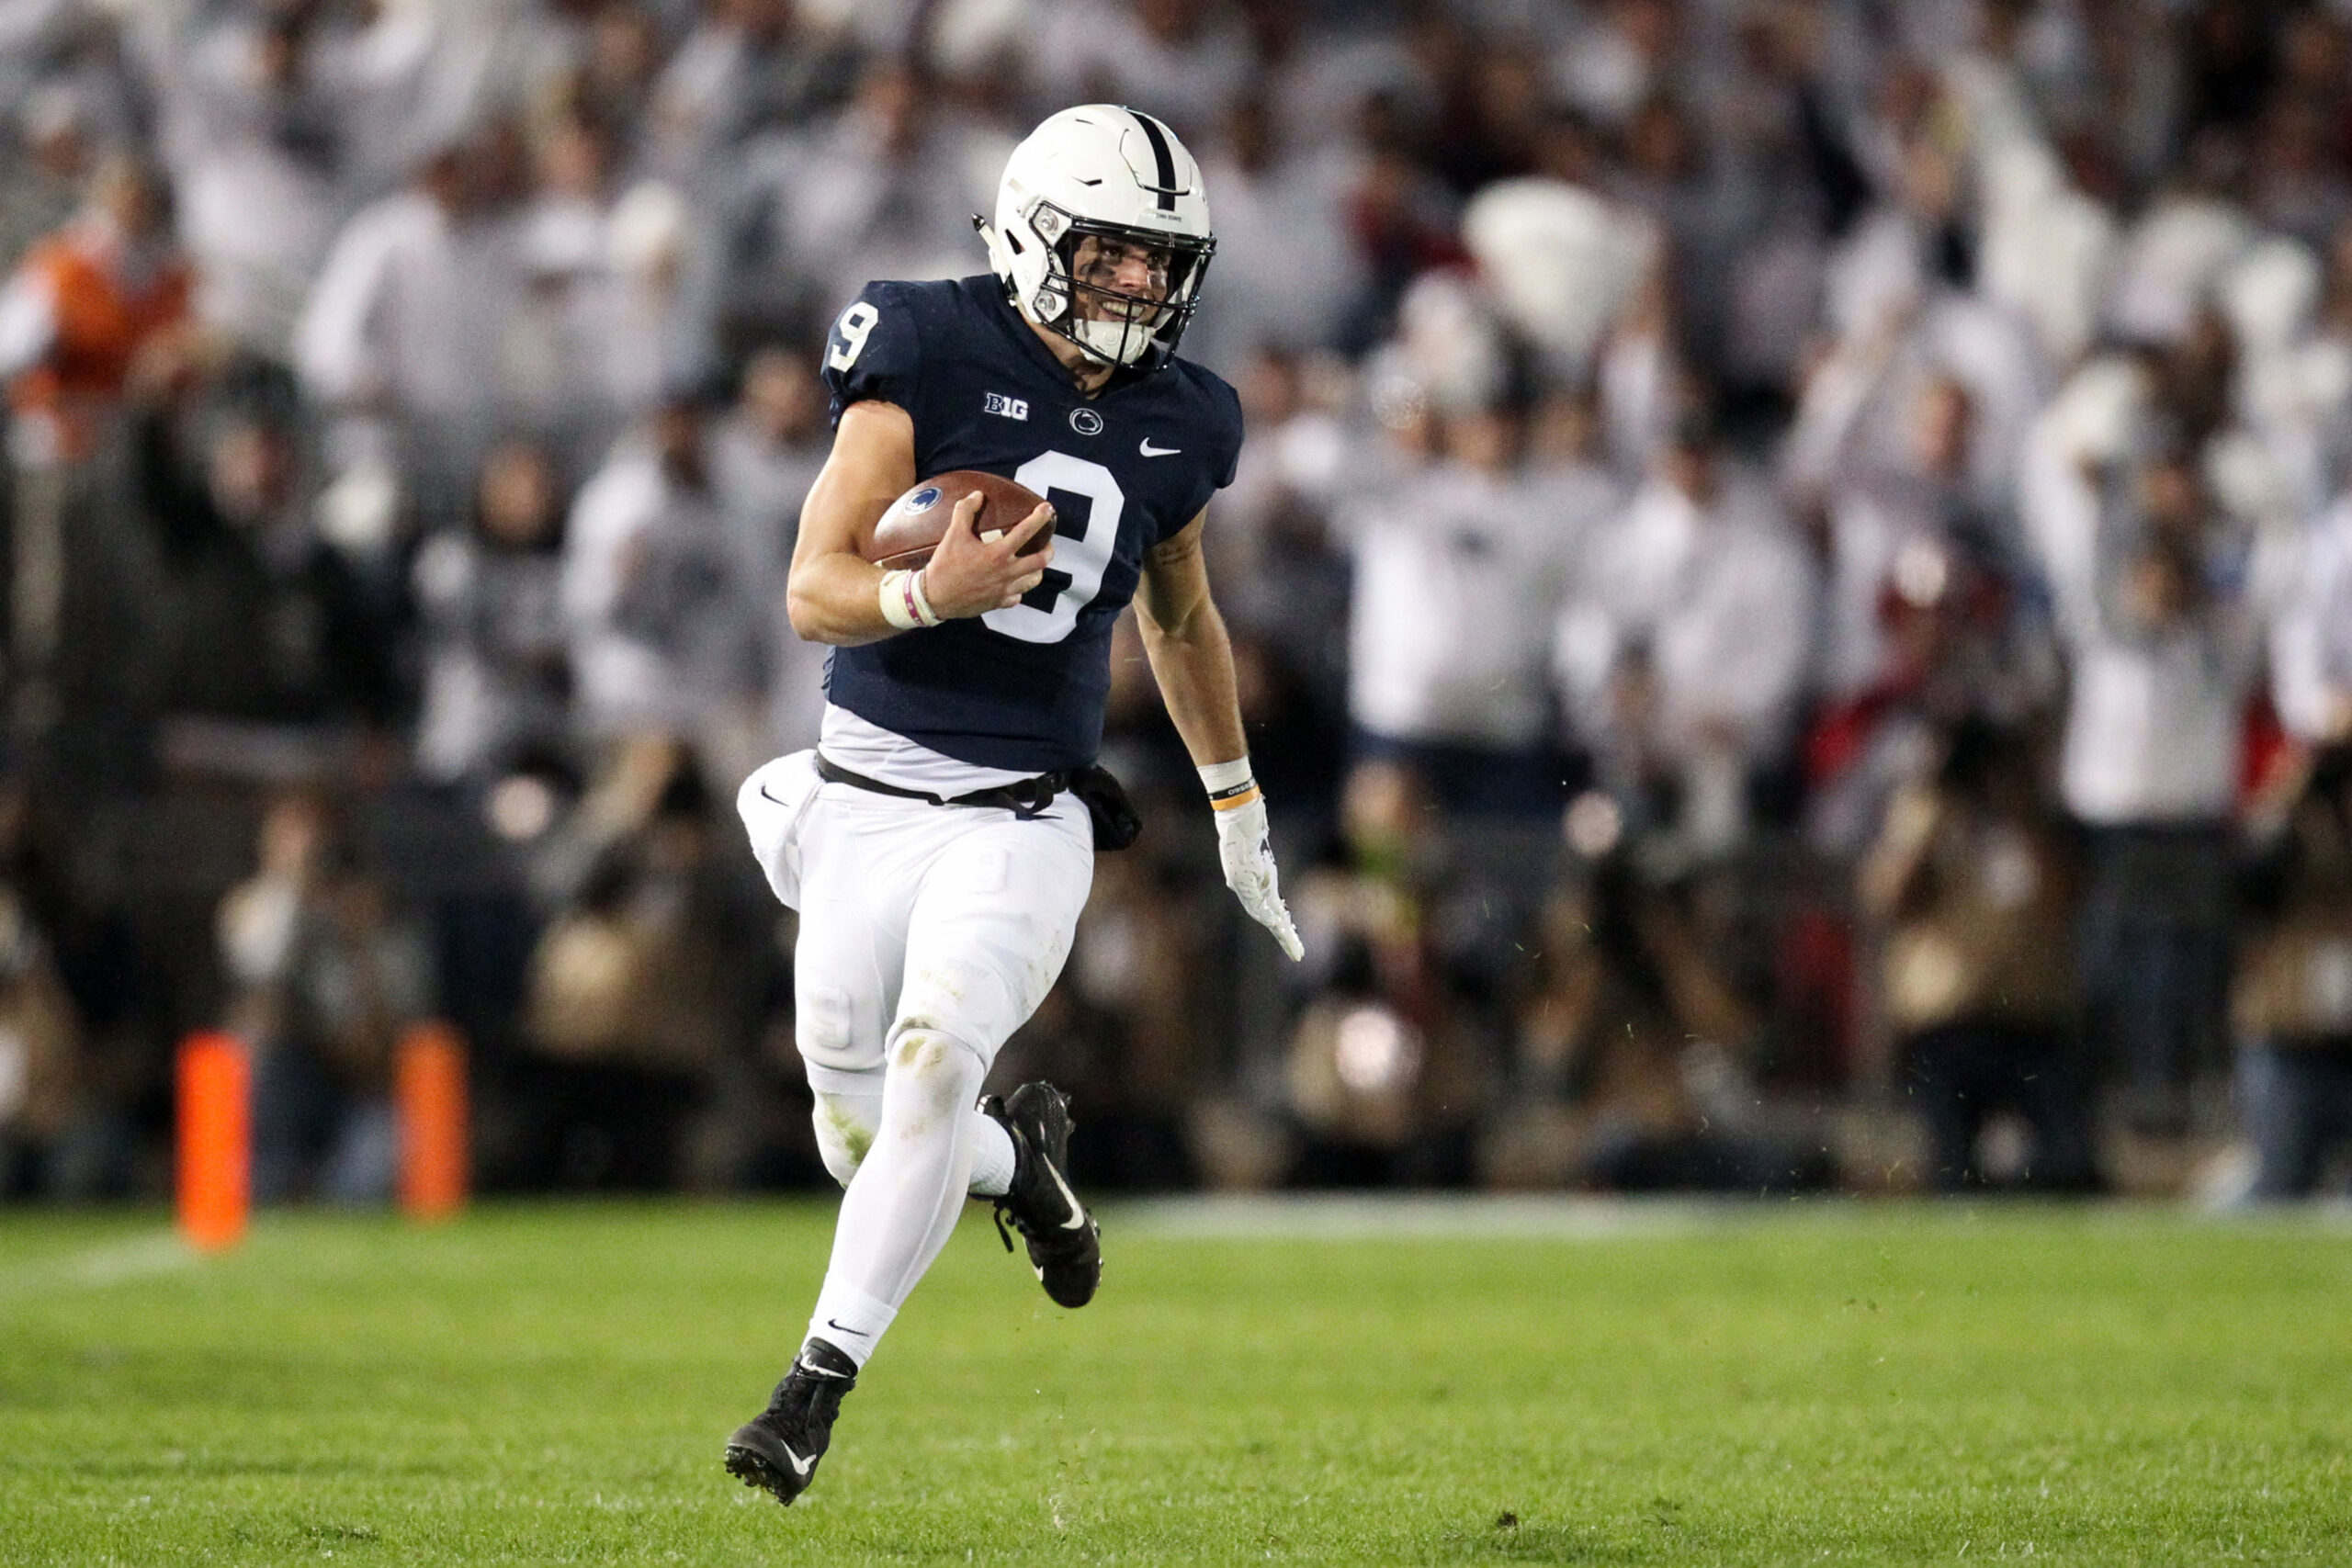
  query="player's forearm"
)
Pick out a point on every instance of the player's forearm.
point(1194, 665)
point(836, 599)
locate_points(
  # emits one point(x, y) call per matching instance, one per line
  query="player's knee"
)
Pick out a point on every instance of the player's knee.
point(930, 1067)
point(963, 998)
point(844, 1134)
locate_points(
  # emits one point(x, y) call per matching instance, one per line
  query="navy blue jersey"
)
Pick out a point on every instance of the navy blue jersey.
point(1024, 687)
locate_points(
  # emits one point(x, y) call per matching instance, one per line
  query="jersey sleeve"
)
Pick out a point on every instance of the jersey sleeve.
point(1223, 415)
point(874, 352)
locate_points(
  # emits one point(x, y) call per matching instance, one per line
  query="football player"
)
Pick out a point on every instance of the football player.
point(940, 840)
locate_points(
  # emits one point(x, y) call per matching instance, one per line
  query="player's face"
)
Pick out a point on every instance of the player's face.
point(1119, 280)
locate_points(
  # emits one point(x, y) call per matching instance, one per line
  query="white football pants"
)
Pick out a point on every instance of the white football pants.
point(927, 934)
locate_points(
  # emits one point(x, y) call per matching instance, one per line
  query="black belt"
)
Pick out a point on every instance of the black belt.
point(1023, 798)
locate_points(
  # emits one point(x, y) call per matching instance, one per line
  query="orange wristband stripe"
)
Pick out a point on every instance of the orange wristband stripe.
point(1235, 802)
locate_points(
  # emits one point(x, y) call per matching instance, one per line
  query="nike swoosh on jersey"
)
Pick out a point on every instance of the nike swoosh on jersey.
point(1148, 450)
point(1077, 1211)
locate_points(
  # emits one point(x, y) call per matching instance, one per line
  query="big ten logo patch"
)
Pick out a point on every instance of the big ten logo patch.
point(1010, 408)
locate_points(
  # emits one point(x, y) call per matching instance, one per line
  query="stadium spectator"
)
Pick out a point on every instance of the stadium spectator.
point(1903, 316)
point(1970, 884)
point(764, 454)
point(56, 1138)
point(2292, 1007)
point(79, 992)
point(613, 77)
point(664, 639)
point(2310, 644)
point(620, 297)
point(407, 324)
point(1927, 620)
point(1628, 1048)
point(496, 683)
point(265, 622)
point(1682, 650)
point(1275, 203)
point(887, 189)
point(254, 136)
point(2165, 644)
point(324, 980)
point(1384, 1074)
point(1284, 586)
point(98, 304)
point(47, 170)
point(1458, 570)
point(638, 987)
point(1623, 58)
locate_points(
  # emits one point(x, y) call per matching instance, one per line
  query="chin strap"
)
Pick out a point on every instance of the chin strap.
point(999, 263)
point(1084, 331)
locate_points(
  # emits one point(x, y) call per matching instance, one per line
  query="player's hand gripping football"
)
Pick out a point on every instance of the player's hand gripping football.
point(968, 575)
point(1248, 855)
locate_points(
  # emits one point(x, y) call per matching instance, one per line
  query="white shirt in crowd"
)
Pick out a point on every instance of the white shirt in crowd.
point(845, 209)
point(256, 213)
point(2153, 724)
point(761, 485)
point(1458, 575)
point(1721, 598)
point(1887, 531)
point(662, 636)
point(414, 309)
point(2154, 719)
point(2311, 646)
point(1256, 292)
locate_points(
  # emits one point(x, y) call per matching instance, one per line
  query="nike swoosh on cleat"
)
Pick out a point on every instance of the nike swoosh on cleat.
point(1148, 450)
point(800, 1467)
point(1077, 1210)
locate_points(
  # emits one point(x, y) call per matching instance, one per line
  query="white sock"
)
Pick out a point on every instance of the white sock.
point(849, 1321)
point(991, 1158)
point(902, 1205)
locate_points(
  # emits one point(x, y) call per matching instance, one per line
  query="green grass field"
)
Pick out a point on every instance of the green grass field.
point(553, 1384)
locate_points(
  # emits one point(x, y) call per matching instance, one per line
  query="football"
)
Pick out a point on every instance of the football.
point(916, 522)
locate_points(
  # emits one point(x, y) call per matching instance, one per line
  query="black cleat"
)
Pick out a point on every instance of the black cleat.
point(1065, 1244)
point(777, 1449)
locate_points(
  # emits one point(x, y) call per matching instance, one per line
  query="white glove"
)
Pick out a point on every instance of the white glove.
point(1247, 854)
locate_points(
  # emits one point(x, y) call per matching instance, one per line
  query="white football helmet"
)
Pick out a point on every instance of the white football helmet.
point(1121, 176)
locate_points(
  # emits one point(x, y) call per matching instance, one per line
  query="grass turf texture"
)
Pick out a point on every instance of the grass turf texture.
point(1859, 1384)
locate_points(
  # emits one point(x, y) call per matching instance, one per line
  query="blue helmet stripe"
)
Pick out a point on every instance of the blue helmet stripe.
point(1157, 134)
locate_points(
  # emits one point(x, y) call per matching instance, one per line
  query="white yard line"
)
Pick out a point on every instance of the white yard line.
point(117, 1262)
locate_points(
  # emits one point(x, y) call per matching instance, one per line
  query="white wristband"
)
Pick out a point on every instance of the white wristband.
point(904, 603)
point(1219, 776)
point(1230, 784)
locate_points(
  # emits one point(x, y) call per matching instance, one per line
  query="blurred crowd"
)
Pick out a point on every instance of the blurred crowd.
point(1792, 580)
